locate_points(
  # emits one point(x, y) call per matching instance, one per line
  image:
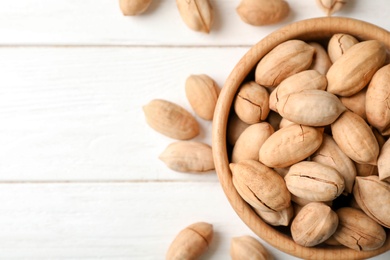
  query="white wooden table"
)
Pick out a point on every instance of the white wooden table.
point(79, 174)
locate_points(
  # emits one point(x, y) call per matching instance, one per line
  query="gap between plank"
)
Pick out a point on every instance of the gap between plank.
point(100, 181)
point(163, 46)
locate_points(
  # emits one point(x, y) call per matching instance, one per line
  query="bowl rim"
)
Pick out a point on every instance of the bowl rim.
point(309, 29)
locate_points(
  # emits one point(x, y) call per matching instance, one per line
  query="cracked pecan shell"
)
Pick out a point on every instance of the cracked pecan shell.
point(310, 107)
point(373, 197)
point(355, 138)
point(290, 145)
point(284, 60)
point(314, 224)
point(314, 181)
point(358, 231)
point(251, 103)
point(260, 186)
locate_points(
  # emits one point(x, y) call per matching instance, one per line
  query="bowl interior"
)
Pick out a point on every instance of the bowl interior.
point(317, 29)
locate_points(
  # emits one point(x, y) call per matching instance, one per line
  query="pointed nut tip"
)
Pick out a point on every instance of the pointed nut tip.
point(232, 165)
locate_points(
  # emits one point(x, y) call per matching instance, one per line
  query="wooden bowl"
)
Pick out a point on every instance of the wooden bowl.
point(317, 29)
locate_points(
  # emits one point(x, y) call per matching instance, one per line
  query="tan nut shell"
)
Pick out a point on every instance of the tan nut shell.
point(314, 224)
point(356, 103)
point(250, 141)
point(310, 107)
point(384, 162)
point(234, 128)
point(188, 156)
point(262, 12)
point(171, 119)
point(274, 119)
point(307, 79)
point(355, 68)
point(302, 202)
point(321, 61)
point(338, 44)
point(277, 218)
point(247, 247)
point(260, 186)
point(285, 122)
point(366, 169)
point(297, 208)
point(314, 181)
point(198, 15)
point(251, 103)
point(284, 60)
point(332, 242)
point(358, 231)
point(290, 145)
point(355, 138)
point(353, 204)
point(379, 137)
point(282, 171)
point(191, 242)
point(331, 6)
point(377, 100)
point(134, 7)
point(330, 154)
point(202, 93)
point(372, 195)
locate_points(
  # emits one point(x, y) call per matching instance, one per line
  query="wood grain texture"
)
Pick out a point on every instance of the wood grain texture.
point(76, 113)
point(114, 220)
point(91, 22)
point(79, 174)
point(111, 221)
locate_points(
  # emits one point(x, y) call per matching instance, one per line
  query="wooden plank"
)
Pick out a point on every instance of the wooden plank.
point(91, 22)
point(111, 221)
point(76, 113)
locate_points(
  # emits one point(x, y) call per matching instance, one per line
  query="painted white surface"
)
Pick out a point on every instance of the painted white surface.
point(111, 220)
point(76, 113)
point(79, 174)
point(101, 22)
